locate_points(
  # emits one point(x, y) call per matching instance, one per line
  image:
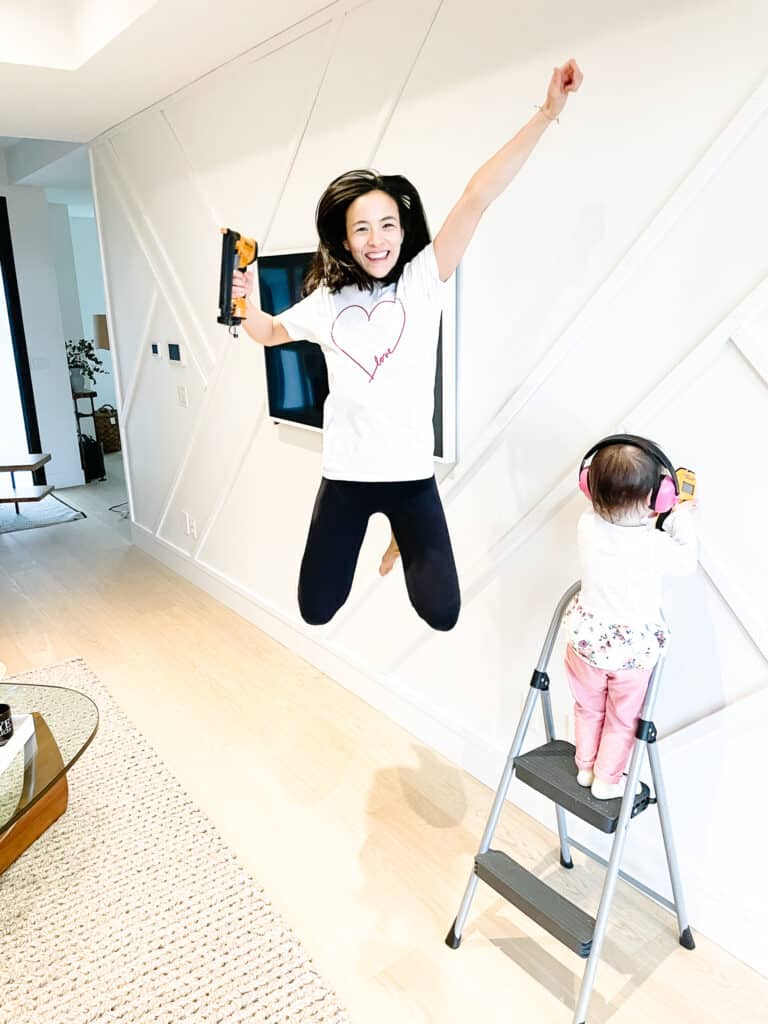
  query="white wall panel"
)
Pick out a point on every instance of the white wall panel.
point(239, 131)
point(156, 427)
point(225, 421)
point(269, 506)
point(175, 227)
point(125, 265)
point(374, 51)
point(722, 420)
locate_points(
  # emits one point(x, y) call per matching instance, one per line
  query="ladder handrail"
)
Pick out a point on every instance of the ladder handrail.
point(554, 626)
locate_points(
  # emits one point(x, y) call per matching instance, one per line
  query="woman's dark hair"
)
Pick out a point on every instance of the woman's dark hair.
point(333, 265)
point(620, 479)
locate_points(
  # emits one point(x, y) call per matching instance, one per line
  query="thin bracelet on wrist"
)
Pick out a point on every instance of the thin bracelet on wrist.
point(543, 111)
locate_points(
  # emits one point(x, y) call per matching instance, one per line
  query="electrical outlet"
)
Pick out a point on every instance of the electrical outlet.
point(186, 523)
point(192, 527)
point(181, 391)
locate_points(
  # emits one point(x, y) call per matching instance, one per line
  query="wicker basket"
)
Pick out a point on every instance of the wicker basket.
point(107, 428)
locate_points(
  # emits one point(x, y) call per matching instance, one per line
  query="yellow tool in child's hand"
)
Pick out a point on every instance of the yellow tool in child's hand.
point(686, 491)
point(686, 484)
point(237, 252)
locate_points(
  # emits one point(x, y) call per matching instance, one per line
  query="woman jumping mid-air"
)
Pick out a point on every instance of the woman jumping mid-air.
point(373, 303)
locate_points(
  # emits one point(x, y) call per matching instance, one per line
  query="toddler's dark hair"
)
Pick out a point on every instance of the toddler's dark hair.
point(621, 477)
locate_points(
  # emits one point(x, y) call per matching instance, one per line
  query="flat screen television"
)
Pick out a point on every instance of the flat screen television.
point(297, 378)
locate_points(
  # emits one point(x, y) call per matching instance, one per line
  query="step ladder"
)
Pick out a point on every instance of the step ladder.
point(550, 769)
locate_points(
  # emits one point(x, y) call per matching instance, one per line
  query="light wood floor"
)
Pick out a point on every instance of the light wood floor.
point(362, 837)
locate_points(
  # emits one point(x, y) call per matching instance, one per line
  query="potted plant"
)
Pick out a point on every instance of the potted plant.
point(83, 363)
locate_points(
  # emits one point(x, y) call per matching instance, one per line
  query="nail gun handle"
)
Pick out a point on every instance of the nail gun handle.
point(237, 252)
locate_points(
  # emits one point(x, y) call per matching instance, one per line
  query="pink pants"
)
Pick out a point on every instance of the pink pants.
point(608, 705)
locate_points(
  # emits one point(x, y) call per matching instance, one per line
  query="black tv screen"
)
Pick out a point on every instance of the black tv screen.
point(297, 378)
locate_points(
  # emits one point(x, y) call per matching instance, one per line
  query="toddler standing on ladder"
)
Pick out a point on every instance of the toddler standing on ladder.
point(614, 626)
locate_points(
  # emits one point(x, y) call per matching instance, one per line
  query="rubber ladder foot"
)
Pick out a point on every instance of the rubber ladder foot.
point(565, 863)
point(452, 939)
point(686, 940)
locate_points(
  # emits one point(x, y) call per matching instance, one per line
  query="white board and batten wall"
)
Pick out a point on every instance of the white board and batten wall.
point(619, 283)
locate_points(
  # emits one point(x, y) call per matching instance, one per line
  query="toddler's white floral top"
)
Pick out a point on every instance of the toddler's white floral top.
point(613, 646)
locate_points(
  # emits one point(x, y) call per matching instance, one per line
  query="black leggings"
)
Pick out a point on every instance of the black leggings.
point(339, 521)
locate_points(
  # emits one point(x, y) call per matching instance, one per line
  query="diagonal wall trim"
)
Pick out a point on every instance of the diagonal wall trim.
point(288, 38)
point(245, 55)
point(692, 366)
point(700, 359)
point(160, 266)
point(130, 391)
point(115, 180)
point(754, 349)
point(337, 24)
point(192, 173)
point(201, 423)
point(399, 94)
point(743, 124)
point(229, 486)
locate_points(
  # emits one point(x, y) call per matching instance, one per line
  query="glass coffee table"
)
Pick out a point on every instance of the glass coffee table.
point(33, 785)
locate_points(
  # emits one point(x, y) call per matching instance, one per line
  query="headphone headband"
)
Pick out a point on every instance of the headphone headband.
point(649, 447)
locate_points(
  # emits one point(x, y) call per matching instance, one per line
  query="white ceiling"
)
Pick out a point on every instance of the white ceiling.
point(71, 69)
point(63, 33)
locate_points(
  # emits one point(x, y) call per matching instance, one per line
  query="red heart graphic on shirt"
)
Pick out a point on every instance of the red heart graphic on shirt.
point(369, 339)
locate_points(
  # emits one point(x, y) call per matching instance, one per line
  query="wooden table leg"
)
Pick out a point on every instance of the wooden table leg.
point(45, 765)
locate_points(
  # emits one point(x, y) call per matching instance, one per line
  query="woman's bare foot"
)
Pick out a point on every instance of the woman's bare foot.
point(389, 558)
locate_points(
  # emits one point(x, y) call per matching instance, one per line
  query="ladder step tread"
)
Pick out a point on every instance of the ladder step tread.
point(551, 770)
point(556, 914)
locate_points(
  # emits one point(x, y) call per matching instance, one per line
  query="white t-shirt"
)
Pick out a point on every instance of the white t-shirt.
point(616, 620)
point(380, 349)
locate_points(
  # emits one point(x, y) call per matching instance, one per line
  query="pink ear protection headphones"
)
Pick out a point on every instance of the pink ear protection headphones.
point(665, 494)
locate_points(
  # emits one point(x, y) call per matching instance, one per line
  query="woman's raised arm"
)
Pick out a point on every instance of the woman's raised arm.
point(493, 177)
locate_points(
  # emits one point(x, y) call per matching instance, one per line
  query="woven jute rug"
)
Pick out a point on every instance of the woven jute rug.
point(131, 909)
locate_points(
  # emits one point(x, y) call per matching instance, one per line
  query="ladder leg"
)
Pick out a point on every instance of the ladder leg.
point(549, 727)
point(539, 683)
point(565, 850)
point(453, 938)
point(609, 886)
point(686, 937)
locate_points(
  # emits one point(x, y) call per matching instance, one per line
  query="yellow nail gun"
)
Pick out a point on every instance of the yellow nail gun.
point(237, 252)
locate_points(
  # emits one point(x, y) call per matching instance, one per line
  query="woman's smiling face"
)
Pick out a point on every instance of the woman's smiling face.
point(374, 234)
